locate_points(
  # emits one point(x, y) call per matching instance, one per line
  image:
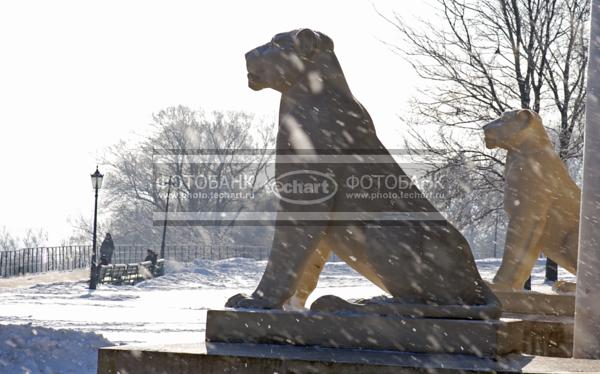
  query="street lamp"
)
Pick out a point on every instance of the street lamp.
point(96, 185)
point(164, 234)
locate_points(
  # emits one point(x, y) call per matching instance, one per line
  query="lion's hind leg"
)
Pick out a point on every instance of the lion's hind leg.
point(561, 247)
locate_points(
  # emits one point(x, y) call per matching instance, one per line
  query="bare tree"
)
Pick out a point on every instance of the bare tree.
point(479, 58)
point(494, 55)
point(35, 238)
point(8, 242)
point(136, 185)
point(83, 230)
point(32, 238)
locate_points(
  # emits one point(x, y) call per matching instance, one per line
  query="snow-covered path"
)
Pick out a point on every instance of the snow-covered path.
point(171, 308)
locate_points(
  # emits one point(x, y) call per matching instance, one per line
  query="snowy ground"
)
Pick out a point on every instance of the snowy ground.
point(171, 308)
point(168, 309)
point(29, 349)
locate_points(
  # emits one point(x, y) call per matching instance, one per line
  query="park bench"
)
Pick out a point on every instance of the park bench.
point(105, 273)
point(130, 273)
point(117, 273)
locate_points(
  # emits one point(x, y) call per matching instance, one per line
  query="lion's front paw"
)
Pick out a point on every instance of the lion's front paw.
point(233, 301)
point(249, 302)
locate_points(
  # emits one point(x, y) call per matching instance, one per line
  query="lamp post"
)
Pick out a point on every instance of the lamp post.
point(164, 234)
point(96, 184)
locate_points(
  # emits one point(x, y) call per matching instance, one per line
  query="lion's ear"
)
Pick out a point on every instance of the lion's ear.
point(525, 115)
point(307, 42)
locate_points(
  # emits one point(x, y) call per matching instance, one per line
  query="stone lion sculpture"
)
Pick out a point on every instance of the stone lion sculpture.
point(425, 266)
point(540, 198)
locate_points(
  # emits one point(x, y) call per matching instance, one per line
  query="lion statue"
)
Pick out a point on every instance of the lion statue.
point(424, 265)
point(540, 198)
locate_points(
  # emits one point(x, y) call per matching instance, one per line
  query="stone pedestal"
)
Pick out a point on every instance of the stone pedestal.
point(479, 338)
point(308, 342)
point(543, 335)
point(219, 358)
point(546, 321)
point(531, 302)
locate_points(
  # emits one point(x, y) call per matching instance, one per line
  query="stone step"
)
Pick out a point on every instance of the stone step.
point(213, 358)
point(479, 338)
point(531, 302)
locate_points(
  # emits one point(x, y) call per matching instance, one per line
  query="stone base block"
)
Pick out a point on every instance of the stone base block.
point(544, 335)
point(530, 302)
point(218, 358)
point(479, 338)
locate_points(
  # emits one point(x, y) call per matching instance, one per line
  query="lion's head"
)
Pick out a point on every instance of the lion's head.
point(513, 128)
point(286, 59)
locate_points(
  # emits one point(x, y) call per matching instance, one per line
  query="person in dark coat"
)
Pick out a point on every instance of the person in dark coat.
point(106, 250)
point(152, 256)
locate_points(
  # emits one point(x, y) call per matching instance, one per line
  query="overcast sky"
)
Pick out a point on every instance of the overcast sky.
point(77, 76)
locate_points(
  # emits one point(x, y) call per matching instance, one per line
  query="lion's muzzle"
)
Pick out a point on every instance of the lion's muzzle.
point(489, 131)
point(254, 67)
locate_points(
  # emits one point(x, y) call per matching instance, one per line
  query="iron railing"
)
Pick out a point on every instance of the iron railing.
point(44, 259)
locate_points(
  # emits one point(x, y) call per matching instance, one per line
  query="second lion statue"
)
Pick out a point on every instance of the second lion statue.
point(541, 199)
point(425, 266)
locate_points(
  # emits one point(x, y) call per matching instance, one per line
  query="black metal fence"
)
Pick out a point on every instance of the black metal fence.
point(39, 260)
point(43, 259)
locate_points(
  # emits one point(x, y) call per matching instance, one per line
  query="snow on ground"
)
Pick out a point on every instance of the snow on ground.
point(168, 309)
point(28, 349)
